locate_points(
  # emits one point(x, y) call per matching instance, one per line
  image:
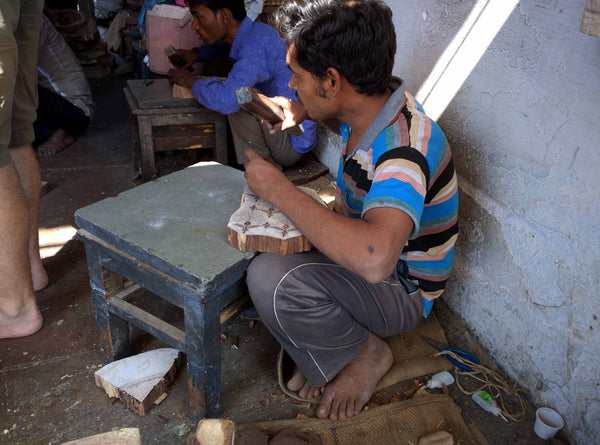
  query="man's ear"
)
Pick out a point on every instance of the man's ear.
point(224, 16)
point(333, 80)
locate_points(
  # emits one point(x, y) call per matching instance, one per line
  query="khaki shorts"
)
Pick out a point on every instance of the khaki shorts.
point(19, 35)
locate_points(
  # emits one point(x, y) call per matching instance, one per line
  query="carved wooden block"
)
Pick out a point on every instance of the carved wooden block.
point(258, 226)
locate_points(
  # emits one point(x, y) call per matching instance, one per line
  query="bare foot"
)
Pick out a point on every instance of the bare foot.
point(352, 388)
point(59, 140)
point(28, 321)
point(305, 390)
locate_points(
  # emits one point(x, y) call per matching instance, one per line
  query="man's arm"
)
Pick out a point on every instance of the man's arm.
point(369, 247)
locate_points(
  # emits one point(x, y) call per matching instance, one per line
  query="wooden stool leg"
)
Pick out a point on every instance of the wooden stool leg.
point(203, 350)
point(146, 147)
point(220, 139)
point(113, 331)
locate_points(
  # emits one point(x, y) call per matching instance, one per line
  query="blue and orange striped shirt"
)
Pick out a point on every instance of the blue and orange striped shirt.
point(404, 161)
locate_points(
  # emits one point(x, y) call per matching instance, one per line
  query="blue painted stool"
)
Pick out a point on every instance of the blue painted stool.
point(169, 237)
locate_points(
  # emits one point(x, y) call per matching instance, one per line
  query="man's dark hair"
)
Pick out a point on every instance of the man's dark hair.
point(235, 6)
point(356, 37)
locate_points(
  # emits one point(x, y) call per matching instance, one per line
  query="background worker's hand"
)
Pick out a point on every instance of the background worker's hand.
point(190, 55)
point(294, 113)
point(182, 77)
point(263, 177)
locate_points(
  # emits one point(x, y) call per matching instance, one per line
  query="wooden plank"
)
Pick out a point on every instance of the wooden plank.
point(233, 308)
point(141, 379)
point(124, 436)
point(148, 322)
point(162, 117)
point(169, 131)
point(183, 143)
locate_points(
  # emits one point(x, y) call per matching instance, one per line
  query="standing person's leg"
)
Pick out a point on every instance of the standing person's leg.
point(330, 321)
point(28, 170)
point(247, 132)
point(19, 314)
point(26, 35)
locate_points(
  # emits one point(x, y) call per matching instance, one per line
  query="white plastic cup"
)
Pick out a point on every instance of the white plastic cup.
point(547, 422)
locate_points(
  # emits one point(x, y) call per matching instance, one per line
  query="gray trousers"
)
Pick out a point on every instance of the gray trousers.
point(322, 314)
point(246, 128)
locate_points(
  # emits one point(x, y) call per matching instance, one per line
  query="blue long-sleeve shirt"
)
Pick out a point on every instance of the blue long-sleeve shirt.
point(258, 53)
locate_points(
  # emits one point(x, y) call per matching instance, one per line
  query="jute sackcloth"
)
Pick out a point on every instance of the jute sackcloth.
point(413, 357)
point(396, 423)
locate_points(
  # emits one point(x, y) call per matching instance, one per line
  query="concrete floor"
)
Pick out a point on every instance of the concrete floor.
point(48, 394)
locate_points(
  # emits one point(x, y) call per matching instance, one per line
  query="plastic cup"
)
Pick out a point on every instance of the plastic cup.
point(547, 422)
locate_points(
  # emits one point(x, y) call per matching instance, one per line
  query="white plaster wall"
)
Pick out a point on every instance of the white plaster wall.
point(525, 131)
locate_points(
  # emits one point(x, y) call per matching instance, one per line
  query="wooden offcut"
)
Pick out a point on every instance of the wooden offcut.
point(139, 380)
point(215, 432)
point(181, 92)
point(124, 436)
point(258, 226)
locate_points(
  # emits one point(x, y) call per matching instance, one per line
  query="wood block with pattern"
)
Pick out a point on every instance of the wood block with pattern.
point(258, 226)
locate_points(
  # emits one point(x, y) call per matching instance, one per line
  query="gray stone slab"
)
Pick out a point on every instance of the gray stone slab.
point(180, 218)
point(157, 93)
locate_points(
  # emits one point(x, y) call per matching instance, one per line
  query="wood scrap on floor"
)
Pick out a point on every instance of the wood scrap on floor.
point(140, 380)
point(125, 436)
point(257, 226)
point(437, 438)
point(215, 432)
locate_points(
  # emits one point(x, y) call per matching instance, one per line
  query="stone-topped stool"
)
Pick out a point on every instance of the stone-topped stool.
point(169, 237)
point(161, 122)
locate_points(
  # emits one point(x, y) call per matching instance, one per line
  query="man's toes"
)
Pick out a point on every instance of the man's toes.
point(296, 382)
point(334, 411)
point(350, 411)
point(325, 405)
point(306, 390)
point(342, 410)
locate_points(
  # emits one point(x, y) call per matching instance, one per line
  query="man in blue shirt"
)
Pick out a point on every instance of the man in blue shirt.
point(258, 55)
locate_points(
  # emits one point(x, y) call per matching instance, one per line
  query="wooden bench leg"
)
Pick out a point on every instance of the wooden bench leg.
point(221, 139)
point(146, 147)
point(113, 331)
point(203, 350)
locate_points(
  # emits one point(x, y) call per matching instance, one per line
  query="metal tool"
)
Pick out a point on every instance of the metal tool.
point(442, 347)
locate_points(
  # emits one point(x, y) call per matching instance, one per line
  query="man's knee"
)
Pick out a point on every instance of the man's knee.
point(262, 278)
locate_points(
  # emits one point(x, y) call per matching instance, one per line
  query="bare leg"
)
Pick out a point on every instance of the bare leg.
point(352, 388)
point(19, 314)
point(28, 170)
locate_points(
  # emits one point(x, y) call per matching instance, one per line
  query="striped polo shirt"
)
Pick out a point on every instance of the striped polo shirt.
point(404, 161)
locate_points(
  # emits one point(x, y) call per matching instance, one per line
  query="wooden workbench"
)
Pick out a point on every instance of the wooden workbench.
point(160, 122)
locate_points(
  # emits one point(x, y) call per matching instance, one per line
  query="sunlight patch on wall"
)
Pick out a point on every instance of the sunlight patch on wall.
point(54, 238)
point(463, 53)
